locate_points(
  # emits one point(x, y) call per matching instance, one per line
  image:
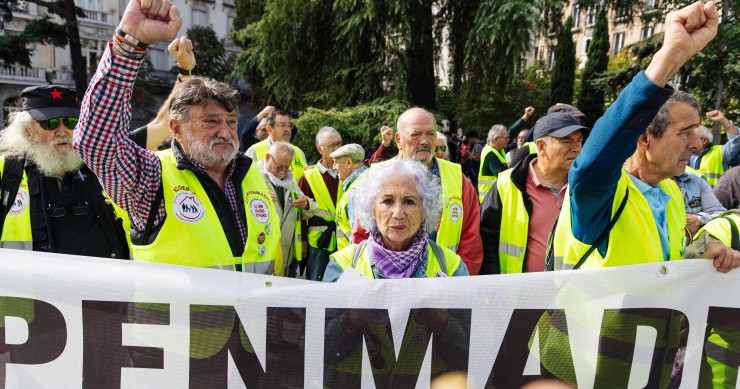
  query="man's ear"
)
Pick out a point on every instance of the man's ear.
point(397, 138)
point(644, 140)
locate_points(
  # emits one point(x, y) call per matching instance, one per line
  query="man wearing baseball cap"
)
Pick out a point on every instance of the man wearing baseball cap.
point(50, 200)
point(349, 165)
point(527, 199)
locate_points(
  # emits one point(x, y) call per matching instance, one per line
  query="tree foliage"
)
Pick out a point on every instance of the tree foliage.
point(360, 124)
point(210, 53)
point(591, 100)
point(563, 75)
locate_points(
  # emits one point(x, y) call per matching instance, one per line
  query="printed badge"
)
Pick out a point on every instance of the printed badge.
point(187, 207)
point(259, 210)
point(20, 203)
point(456, 212)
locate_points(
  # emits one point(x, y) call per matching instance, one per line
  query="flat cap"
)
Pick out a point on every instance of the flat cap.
point(352, 150)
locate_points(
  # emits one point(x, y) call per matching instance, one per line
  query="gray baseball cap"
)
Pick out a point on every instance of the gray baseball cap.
point(352, 150)
point(557, 124)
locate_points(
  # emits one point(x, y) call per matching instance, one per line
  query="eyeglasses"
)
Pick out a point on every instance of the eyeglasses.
point(334, 145)
point(61, 210)
point(440, 148)
point(53, 124)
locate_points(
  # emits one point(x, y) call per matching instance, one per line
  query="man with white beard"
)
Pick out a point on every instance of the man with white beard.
point(291, 204)
point(50, 200)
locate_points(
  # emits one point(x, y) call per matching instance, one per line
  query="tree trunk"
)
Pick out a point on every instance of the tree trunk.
point(79, 68)
point(420, 55)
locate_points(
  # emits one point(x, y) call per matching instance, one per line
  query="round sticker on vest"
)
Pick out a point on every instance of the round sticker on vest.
point(259, 210)
point(20, 203)
point(187, 207)
point(456, 212)
point(261, 238)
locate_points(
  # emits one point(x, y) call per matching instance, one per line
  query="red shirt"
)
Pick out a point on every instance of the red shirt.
point(546, 203)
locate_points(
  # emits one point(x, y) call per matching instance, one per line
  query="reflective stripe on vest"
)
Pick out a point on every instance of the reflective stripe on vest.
point(710, 166)
point(512, 246)
point(634, 238)
point(297, 166)
point(450, 224)
point(192, 234)
point(486, 182)
point(345, 256)
point(326, 207)
point(723, 345)
point(532, 147)
point(16, 232)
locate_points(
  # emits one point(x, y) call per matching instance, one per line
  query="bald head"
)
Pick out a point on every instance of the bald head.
point(416, 134)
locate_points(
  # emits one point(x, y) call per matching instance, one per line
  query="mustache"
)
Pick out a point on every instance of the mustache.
point(423, 148)
point(60, 140)
point(223, 140)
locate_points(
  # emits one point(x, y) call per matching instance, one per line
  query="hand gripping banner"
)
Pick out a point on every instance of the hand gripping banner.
point(72, 322)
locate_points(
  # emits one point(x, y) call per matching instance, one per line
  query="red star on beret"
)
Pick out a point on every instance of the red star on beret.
point(55, 94)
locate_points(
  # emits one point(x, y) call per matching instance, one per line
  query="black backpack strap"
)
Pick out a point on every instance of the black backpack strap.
point(550, 250)
point(11, 181)
point(604, 234)
point(735, 235)
point(153, 211)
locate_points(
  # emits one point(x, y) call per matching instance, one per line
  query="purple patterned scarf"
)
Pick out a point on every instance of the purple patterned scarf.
point(399, 264)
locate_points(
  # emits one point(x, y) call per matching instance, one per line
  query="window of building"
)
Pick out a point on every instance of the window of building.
point(158, 58)
point(585, 47)
point(648, 31)
point(576, 16)
point(550, 58)
point(200, 18)
point(618, 42)
point(652, 4)
point(591, 14)
point(622, 11)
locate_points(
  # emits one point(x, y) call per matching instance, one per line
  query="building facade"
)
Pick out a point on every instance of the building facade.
point(622, 32)
point(52, 65)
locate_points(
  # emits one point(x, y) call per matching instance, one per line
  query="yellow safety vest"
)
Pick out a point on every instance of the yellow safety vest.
point(344, 229)
point(435, 265)
point(486, 182)
point(297, 166)
point(724, 340)
point(192, 234)
point(326, 208)
point(710, 166)
point(450, 224)
point(17, 227)
point(633, 239)
point(512, 246)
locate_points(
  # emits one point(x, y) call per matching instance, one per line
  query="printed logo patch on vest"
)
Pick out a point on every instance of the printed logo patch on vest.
point(20, 203)
point(259, 210)
point(456, 212)
point(187, 207)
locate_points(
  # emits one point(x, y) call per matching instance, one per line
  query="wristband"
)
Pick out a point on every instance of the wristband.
point(123, 52)
point(131, 39)
point(184, 72)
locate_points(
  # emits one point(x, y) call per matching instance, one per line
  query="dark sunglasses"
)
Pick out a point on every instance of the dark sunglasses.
point(61, 210)
point(53, 124)
point(442, 148)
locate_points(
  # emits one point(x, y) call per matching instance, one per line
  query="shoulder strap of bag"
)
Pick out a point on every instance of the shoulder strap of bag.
point(604, 234)
point(735, 235)
point(11, 181)
point(358, 251)
point(440, 255)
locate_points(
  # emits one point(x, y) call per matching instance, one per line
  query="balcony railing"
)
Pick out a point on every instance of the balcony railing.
point(62, 77)
point(22, 73)
point(97, 16)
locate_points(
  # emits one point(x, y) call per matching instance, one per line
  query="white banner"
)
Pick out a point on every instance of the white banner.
point(72, 322)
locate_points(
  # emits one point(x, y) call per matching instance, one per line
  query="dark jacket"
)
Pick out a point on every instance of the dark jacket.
point(490, 215)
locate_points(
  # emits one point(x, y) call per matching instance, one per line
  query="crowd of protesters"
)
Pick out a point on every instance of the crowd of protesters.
point(529, 197)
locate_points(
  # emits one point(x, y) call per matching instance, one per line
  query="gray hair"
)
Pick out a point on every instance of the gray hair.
point(323, 131)
point(663, 119)
point(263, 123)
point(281, 148)
point(200, 90)
point(496, 132)
point(444, 139)
point(427, 184)
point(15, 139)
point(706, 134)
